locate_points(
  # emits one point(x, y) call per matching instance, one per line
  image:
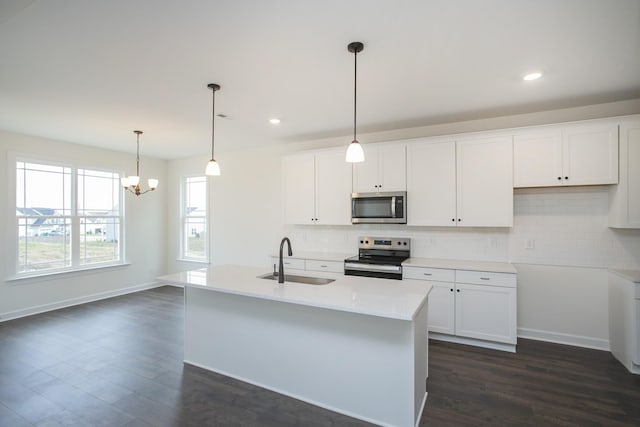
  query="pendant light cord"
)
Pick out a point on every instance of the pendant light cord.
point(355, 92)
point(213, 121)
point(138, 153)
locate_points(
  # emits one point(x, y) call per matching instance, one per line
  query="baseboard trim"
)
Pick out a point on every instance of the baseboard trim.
point(567, 339)
point(511, 348)
point(11, 315)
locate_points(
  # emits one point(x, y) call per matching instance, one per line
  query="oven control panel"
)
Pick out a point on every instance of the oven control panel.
point(384, 243)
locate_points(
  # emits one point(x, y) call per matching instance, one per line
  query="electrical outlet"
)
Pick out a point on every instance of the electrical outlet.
point(530, 244)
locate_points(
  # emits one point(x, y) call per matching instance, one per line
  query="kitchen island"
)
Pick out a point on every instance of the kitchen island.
point(357, 346)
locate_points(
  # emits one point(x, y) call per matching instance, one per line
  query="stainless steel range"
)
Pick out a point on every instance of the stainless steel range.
point(379, 257)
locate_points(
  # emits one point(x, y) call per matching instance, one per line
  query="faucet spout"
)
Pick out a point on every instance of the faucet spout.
point(281, 265)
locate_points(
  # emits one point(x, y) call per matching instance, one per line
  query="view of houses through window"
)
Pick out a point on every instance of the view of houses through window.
point(194, 218)
point(66, 217)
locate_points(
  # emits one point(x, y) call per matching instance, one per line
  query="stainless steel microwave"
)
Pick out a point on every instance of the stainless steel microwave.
point(379, 208)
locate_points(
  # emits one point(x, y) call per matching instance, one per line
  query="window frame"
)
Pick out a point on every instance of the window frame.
point(75, 217)
point(182, 246)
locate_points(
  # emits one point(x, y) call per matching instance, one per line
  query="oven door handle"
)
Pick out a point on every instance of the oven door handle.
point(372, 267)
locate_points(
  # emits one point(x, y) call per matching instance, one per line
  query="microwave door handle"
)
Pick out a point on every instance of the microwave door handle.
point(393, 207)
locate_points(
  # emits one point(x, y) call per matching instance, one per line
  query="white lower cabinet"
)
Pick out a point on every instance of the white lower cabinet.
point(442, 308)
point(471, 304)
point(302, 264)
point(486, 312)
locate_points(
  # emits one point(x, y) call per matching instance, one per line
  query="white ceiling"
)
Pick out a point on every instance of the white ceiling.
point(91, 71)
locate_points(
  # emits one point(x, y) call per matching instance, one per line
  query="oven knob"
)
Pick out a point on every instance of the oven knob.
point(361, 241)
point(405, 243)
point(366, 241)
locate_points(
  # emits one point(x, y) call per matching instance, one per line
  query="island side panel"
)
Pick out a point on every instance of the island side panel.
point(421, 359)
point(359, 365)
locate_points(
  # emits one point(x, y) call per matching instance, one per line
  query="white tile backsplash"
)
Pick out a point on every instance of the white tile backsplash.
point(553, 226)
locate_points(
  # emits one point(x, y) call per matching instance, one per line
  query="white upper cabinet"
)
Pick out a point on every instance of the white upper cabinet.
point(317, 188)
point(464, 183)
point(431, 183)
point(383, 169)
point(298, 178)
point(485, 182)
point(577, 154)
point(624, 198)
point(537, 158)
point(333, 188)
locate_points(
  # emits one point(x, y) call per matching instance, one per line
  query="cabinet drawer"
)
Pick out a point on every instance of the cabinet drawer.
point(486, 278)
point(424, 273)
point(290, 263)
point(331, 266)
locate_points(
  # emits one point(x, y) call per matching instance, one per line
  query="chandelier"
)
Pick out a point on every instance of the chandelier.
point(132, 182)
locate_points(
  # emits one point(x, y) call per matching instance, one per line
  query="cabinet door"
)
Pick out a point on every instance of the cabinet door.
point(590, 154)
point(392, 173)
point(431, 184)
point(441, 308)
point(537, 159)
point(485, 182)
point(486, 312)
point(333, 188)
point(365, 174)
point(298, 176)
point(624, 198)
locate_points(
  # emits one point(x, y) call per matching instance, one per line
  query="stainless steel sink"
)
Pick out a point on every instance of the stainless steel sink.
point(298, 279)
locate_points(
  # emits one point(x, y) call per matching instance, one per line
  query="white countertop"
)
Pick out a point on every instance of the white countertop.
point(454, 264)
point(451, 264)
point(319, 256)
point(633, 275)
point(394, 299)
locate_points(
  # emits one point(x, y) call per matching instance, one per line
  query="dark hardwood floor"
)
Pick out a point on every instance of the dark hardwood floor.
point(118, 362)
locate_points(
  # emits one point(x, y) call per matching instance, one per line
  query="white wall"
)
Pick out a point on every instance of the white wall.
point(562, 287)
point(145, 223)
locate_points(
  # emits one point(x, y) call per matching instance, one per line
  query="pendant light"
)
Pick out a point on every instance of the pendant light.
point(213, 168)
point(132, 182)
point(355, 154)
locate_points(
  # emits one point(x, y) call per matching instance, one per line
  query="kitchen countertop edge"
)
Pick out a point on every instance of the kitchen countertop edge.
point(309, 295)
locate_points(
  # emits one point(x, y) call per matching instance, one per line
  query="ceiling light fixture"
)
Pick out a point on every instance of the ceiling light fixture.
point(213, 168)
point(132, 182)
point(274, 121)
point(532, 76)
point(355, 153)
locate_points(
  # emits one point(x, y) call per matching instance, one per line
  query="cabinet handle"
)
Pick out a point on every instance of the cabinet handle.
point(453, 219)
point(451, 289)
point(567, 178)
point(427, 274)
point(485, 278)
point(457, 290)
point(559, 178)
point(323, 266)
point(459, 219)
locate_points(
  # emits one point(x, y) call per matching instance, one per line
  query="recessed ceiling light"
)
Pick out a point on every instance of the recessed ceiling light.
point(532, 76)
point(274, 121)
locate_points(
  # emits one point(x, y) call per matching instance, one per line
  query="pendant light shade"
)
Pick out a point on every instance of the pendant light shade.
point(213, 168)
point(355, 153)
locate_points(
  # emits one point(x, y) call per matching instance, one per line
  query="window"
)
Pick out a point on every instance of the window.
point(194, 218)
point(67, 218)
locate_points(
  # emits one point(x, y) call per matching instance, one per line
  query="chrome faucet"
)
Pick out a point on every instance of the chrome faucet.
point(281, 266)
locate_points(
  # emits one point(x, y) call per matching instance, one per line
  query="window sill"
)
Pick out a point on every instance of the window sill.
point(193, 261)
point(64, 273)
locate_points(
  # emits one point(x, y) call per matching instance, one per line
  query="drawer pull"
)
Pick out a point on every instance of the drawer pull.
point(427, 274)
point(323, 266)
point(485, 278)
